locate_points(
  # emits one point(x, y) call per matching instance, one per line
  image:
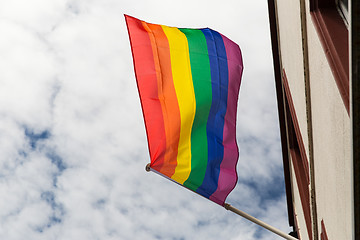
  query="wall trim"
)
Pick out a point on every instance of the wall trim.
point(298, 155)
point(333, 35)
point(305, 161)
point(323, 235)
point(307, 79)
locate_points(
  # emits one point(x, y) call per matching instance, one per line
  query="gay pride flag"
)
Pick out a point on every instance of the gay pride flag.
point(188, 82)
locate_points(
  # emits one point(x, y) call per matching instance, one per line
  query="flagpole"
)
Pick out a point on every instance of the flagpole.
point(258, 222)
point(231, 208)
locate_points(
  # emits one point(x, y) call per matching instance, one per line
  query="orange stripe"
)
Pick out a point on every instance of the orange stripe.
point(167, 96)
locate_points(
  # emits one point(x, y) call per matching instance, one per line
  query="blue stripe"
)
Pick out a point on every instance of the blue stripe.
point(215, 124)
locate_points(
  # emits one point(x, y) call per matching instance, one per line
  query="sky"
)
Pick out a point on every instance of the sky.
point(73, 146)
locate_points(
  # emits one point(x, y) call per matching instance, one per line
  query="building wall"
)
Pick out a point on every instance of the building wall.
point(331, 142)
point(288, 13)
point(292, 58)
point(330, 123)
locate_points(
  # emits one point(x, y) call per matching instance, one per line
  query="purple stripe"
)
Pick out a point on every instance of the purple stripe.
point(228, 176)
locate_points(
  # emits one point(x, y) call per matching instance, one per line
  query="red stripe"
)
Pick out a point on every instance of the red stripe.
point(167, 96)
point(146, 79)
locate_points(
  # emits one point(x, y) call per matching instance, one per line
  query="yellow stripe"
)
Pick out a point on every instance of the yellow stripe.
point(184, 88)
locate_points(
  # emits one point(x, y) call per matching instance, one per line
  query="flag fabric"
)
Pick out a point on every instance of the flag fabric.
point(188, 82)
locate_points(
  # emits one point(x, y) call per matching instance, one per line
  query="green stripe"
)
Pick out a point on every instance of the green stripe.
point(201, 75)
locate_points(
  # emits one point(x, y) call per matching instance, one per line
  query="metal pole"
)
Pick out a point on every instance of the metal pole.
point(237, 211)
point(258, 222)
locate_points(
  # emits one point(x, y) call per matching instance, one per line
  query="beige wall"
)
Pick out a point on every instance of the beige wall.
point(292, 59)
point(330, 121)
point(292, 62)
point(332, 145)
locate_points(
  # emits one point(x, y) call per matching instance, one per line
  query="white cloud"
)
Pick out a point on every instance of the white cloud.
point(73, 144)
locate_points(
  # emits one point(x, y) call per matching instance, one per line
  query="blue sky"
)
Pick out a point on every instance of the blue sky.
point(73, 145)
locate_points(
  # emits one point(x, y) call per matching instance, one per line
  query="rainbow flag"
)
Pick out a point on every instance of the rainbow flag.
point(188, 82)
